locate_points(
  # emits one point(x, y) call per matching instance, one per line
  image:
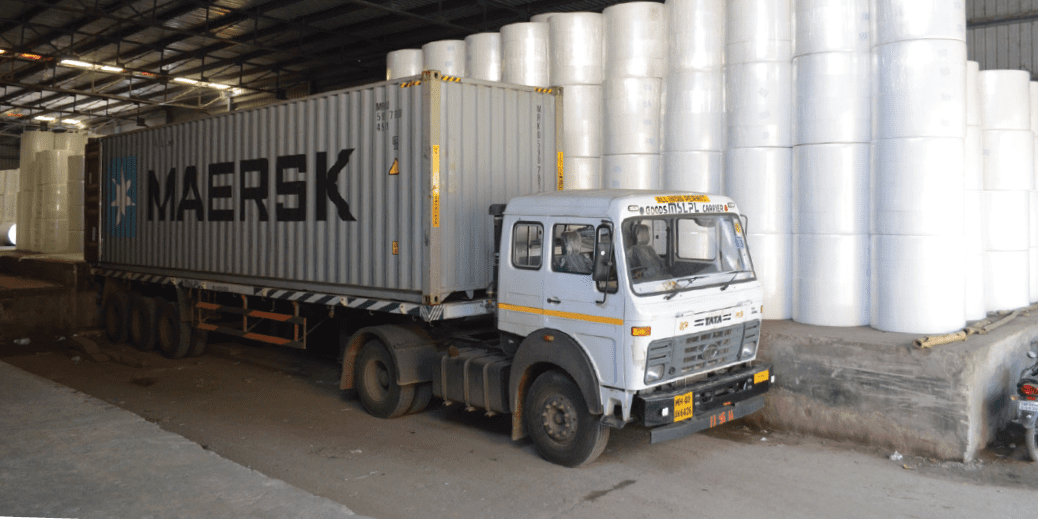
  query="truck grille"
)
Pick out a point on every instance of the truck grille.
point(702, 351)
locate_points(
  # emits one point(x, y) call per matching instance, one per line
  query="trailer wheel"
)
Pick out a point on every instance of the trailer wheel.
point(116, 316)
point(172, 336)
point(143, 315)
point(375, 377)
point(422, 397)
point(199, 342)
point(557, 417)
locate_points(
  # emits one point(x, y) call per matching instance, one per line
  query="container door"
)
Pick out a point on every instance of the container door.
point(522, 271)
point(572, 303)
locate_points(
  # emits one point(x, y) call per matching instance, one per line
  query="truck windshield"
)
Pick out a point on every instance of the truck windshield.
point(674, 253)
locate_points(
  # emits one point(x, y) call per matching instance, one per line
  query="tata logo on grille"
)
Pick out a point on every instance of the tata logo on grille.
point(712, 319)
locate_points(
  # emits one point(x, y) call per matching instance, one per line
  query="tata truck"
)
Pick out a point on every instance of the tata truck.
point(421, 223)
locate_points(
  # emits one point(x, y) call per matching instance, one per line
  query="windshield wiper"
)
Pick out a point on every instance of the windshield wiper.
point(687, 283)
point(734, 275)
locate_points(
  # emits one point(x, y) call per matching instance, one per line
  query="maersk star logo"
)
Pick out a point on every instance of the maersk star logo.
point(122, 210)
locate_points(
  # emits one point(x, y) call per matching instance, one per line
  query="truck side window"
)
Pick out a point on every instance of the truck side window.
point(573, 246)
point(526, 245)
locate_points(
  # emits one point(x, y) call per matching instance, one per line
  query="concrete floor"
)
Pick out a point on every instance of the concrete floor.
point(66, 454)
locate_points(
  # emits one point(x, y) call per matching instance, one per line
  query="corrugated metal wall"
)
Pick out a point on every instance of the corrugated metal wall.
point(491, 150)
point(1003, 34)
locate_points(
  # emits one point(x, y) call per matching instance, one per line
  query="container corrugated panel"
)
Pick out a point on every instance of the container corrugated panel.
point(335, 193)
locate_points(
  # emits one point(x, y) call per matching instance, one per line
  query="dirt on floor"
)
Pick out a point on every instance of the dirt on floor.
point(281, 412)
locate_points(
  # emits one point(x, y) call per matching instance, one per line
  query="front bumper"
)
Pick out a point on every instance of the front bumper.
point(715, 401)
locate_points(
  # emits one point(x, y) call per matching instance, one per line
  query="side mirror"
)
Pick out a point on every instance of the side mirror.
point(603, 254)
point(603, 272)
point(745, 224)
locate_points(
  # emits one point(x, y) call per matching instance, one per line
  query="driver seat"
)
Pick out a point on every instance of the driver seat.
point(641, 256)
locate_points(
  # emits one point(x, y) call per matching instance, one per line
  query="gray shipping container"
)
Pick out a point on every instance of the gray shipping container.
point(380, 191)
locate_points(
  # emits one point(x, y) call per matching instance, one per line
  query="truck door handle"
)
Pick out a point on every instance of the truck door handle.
point(554, 300)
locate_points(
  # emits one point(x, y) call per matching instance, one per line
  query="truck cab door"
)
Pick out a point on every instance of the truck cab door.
point(571, 301)
point(521, 277)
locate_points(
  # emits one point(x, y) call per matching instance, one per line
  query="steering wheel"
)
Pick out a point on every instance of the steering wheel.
point(638, 272)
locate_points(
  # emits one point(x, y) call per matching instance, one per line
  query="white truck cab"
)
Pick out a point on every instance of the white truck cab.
point(655, 290)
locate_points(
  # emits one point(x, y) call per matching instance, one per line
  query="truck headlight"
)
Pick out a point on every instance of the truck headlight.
point(654, 373)
point(749, 349)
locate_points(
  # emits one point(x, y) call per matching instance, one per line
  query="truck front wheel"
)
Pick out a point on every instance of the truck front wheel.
point(558, 420)
point(375, 375)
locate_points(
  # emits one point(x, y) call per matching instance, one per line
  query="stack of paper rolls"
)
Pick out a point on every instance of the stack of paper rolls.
point(832, 129)
point(693, 96)
point(973, 198)
point(758, 153)
point(635, 60)
point(918, 156)
point(576, 65)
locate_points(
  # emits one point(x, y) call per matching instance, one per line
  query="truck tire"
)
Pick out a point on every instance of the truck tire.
point(143, 315)
point(422, 397)
point(116, 313)
point(559, 423)
point(173, 339)
point(199, 342)
point(375, 377)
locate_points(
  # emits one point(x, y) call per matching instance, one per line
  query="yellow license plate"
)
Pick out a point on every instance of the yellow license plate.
point(683, 406)
point(763, 376)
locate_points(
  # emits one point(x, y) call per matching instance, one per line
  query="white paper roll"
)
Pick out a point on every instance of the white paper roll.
point(1008, 159)
point(831, 26)
point(919, 89)
point(1033, 274)
point(916, 186)
point(831, 189)
point(1033, 226)
point(1007, 279)
point(973, 175)
point(76, 168)
point(1007, 217)
point(582, 120)
point(582, 173)
point(758, 30)
point(13, 180)
point(75, 205)
point(697, 171)
point(973, 117)
point(759, 104)
point(632, 115)
point(52, 167)
point(3, 181)
point(831, 279)
point(54, 202)
point(447, 56)
point(760, 180)
point(696, 34)
point(693, 110)
point(976, 304)
point(902, 20)
point(524, 54)
point(483, 56)
point(773, 263)
point(543, 17)
point(915, 285)
point(631, 172)
point(10, 208)
point(973, 226)
point(75, 241)
point(1005, 99)
point(832, 98)
point(635, 38)
point(575, 43)
point(8, 234)
point(54, 234)
point(1034, 106)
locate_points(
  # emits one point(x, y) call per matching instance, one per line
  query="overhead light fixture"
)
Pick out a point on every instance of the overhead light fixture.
point(75, 63)
point(185, 80)
point(108, 68)
point(72, 121)
point(43, 118)
point(218, 86)
point(34, 57)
